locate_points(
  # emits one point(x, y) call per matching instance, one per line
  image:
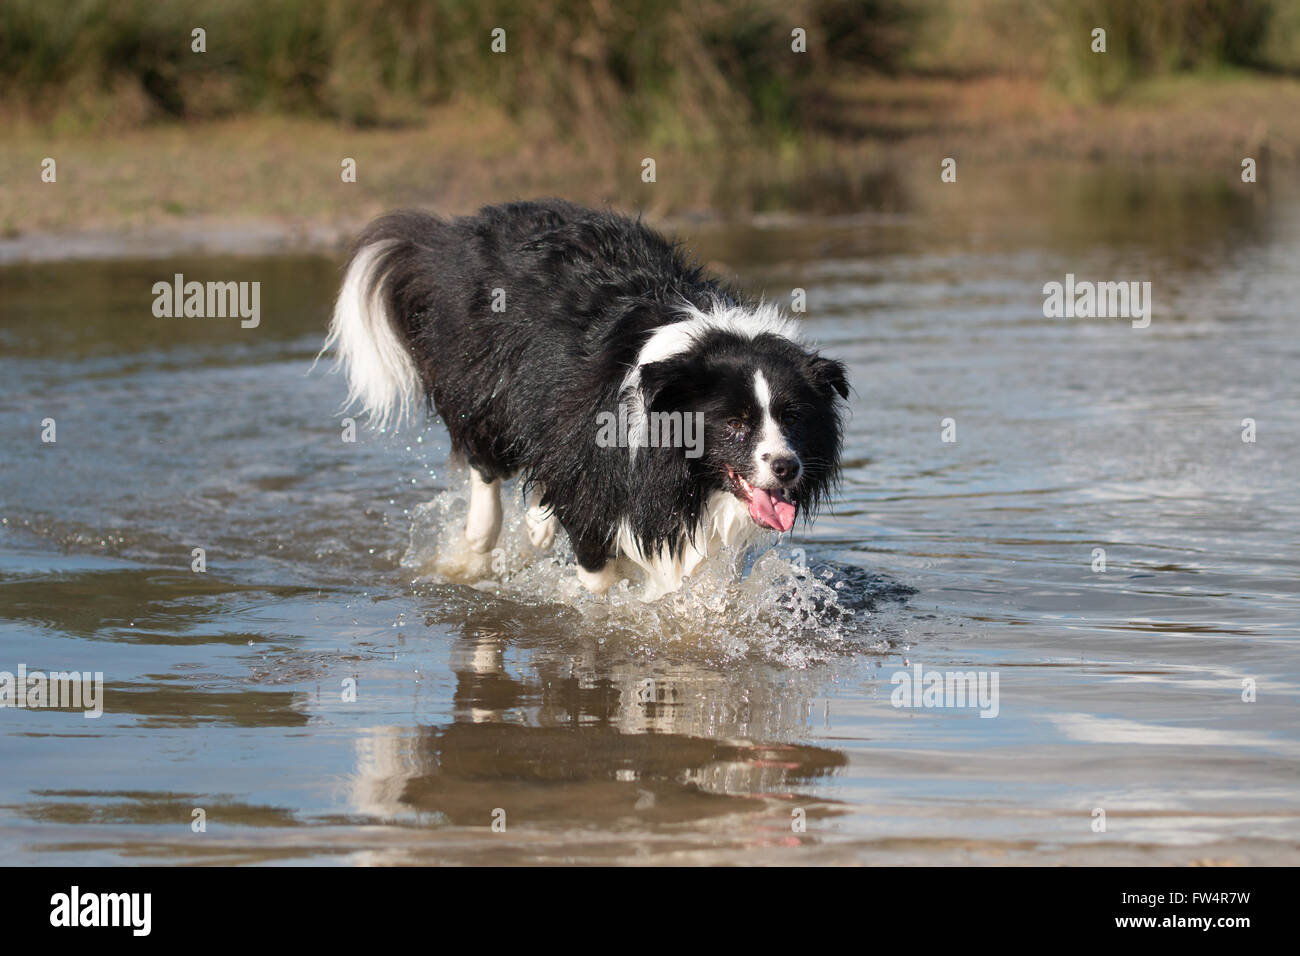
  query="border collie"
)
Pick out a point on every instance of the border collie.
point(531, 326)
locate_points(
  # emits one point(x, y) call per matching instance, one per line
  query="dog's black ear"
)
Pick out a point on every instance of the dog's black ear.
point(828, 374)
point(660, 384)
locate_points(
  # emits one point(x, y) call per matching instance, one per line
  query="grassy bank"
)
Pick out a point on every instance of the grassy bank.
point(669, 71)
point(148, 135)
point(894, 133)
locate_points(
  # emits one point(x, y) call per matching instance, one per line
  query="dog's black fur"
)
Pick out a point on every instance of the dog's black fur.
point(519, 390)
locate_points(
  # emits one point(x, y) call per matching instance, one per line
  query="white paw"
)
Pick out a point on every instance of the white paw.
point(482, 539)
point(598, 582)
point(460, 565)
point(541, 527)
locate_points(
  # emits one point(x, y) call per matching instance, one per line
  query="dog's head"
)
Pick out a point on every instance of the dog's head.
point(770, 415)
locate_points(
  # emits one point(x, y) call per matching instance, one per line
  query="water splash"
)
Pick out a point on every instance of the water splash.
point(773, 606)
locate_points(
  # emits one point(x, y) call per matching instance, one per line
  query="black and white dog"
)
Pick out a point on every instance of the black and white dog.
point(533, 326)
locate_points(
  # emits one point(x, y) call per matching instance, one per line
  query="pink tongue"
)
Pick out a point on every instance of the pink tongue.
point(771, 512)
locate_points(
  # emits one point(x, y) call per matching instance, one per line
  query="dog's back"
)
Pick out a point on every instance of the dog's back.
point(520, 279)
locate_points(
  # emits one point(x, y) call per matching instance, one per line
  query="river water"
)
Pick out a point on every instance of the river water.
point(341, 686)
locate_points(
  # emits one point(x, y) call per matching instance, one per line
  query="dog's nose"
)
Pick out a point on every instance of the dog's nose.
point(785, 469)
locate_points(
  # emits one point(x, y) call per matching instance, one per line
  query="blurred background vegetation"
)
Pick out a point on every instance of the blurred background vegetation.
point(148, 132)
point(670, 70)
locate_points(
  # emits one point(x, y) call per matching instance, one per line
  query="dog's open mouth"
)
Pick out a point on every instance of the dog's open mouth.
point(771, 509)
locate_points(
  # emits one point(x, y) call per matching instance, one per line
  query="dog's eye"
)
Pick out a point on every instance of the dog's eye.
point(737, 425)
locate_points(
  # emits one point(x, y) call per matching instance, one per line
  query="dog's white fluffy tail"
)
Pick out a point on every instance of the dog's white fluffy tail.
point(381, 373)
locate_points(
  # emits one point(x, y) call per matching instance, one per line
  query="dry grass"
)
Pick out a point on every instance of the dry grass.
point(881, 137)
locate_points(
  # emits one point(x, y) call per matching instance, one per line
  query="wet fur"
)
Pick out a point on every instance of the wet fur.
point(520, 390)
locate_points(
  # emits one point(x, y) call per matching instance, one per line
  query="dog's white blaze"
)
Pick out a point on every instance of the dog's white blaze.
point(679, 338)
point(381, 374)
point(771, 440)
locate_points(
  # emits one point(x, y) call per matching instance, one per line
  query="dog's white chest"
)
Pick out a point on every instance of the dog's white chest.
point(725, 524)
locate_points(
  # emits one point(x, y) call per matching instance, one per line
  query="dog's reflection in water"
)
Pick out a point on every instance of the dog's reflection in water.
point(585, 742)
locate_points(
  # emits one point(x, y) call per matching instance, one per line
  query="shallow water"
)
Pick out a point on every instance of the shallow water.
point(705, 728)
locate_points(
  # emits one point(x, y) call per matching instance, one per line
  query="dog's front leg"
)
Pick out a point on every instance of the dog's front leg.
point(483, 525)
